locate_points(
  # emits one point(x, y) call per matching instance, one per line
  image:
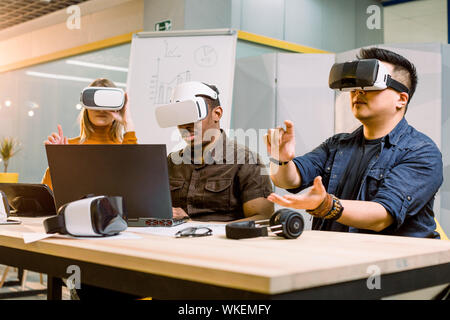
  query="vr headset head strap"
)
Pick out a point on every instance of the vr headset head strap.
point(55, 224)
point(397, 86)
point(189, 90)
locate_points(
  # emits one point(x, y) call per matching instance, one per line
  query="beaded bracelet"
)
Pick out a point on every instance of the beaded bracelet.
point(336, 211)
point(330, 208)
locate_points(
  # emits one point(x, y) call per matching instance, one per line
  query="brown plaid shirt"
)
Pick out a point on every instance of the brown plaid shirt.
point(216, 188)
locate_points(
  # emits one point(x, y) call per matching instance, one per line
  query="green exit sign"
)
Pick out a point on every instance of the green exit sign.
point(163, 25)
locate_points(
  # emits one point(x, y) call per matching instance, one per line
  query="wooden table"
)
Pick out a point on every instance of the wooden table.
point(317, 265)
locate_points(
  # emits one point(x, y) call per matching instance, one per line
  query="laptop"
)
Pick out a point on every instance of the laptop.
point(4, 211)
point(137, 172)
point(28, 199)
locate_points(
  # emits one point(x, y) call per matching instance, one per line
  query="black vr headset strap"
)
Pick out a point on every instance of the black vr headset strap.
point(55, 224)
point(397, 86)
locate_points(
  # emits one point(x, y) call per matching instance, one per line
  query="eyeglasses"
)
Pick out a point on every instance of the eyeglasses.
point(194, 232)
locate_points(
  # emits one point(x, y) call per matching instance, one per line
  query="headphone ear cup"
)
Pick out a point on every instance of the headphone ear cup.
point(291, 221)
point(275, 218)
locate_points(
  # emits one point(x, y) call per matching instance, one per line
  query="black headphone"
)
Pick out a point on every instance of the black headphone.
point(285, 223)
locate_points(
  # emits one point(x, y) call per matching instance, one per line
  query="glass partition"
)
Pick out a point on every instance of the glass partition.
point(34, 100)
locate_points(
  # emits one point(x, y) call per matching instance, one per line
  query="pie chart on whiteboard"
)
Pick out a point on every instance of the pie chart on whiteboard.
point(205, 56)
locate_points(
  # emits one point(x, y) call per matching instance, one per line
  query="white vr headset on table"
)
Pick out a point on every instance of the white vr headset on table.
point(102, 98)
point(185, 107)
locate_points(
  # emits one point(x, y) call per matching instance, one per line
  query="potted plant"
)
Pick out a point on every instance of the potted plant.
point(8, 148)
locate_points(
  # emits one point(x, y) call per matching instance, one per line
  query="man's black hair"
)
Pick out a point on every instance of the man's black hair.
point(405, 71)
point(213, 103)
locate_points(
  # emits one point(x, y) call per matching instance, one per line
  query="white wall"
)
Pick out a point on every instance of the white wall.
point(416, 21)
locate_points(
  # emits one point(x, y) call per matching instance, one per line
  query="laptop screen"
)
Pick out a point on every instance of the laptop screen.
point(138, 173)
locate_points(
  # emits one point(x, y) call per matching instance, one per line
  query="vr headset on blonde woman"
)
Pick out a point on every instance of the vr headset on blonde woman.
point(102, 98)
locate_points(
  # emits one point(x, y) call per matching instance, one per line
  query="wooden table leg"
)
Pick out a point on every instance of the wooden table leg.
point(54, 288)
point(5, 274)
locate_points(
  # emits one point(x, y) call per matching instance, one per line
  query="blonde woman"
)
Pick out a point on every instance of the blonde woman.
point(98, 127)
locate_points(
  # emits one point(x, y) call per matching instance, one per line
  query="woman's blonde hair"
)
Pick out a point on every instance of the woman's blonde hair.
point(87, 127)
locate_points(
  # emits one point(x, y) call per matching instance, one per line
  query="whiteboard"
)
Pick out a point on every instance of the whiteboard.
point(159, 61)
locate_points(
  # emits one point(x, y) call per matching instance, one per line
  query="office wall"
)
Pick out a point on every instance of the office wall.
point(207, 14)
point(332, 25)
point(160, 10)
point(416, 21)
point(100, 19)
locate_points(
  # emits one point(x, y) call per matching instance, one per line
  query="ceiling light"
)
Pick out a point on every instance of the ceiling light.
point(32, 105)
point(64, 77)
point(30, 113)
point(8, 103)
point(96, 65)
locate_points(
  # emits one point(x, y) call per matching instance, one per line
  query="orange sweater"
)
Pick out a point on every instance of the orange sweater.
point(97, 138)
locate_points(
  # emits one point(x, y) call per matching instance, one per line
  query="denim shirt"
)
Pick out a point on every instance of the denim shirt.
point(403, 177)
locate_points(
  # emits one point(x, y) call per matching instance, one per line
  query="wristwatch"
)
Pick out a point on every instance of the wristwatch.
point(278, 162)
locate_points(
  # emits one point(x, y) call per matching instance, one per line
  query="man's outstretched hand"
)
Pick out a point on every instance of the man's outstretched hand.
point(308, 201)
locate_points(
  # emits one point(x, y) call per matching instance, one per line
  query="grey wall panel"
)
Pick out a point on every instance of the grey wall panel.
point(303, 96)
point(254, 93)
point(207, 14)
point(265, 17)
point(331, 25)
point(339, 25)
point(445, 189)
point(304, 22)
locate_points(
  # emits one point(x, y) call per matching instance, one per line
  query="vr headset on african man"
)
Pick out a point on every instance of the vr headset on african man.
point(102, 98)
point(185, 106)
point(364, 74)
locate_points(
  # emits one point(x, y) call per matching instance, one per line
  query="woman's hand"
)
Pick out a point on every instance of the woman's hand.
point(123, 116)
point(57, 138)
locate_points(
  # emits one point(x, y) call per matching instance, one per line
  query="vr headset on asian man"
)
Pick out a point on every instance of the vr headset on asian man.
point(364, 74)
